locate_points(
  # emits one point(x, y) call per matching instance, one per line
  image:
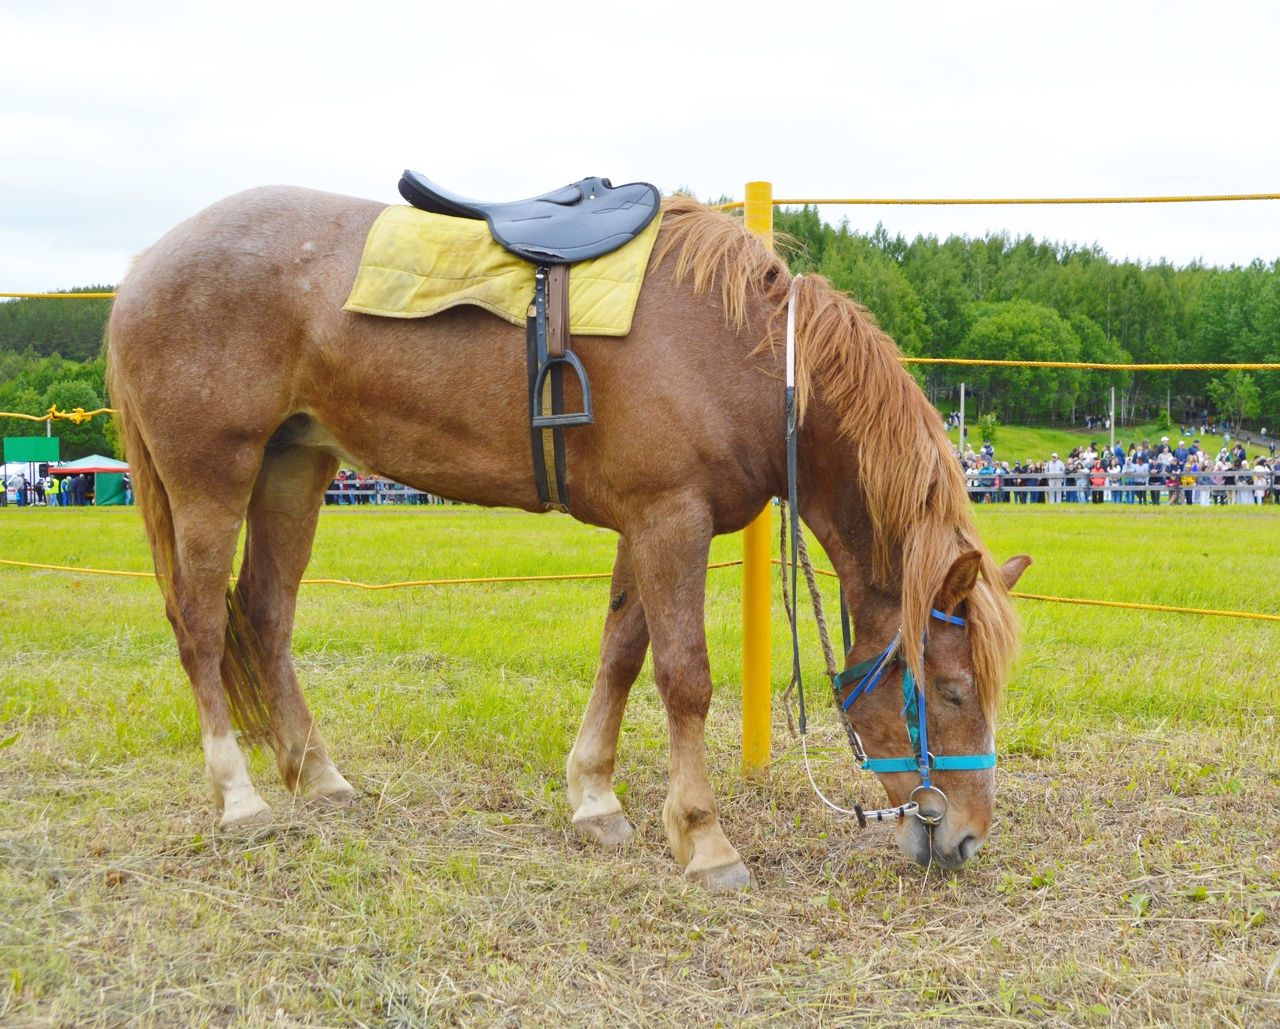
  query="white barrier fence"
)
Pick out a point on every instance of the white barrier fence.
point(1215, 488)
point(1203, 488)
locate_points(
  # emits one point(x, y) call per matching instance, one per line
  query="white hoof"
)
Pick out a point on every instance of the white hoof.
point(244, 811)
point(732, 878)
point(329, 789)
point(605, 830)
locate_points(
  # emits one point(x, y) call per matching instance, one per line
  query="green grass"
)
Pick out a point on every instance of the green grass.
point(1131, 875)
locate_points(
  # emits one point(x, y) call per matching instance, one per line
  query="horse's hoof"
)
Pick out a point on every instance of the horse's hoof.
point(245, 814)
point(734, 877)
point(605, 830)
point(338, 799)
point(329, 790)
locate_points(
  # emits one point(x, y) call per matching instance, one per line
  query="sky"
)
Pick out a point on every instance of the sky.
point(119, 121)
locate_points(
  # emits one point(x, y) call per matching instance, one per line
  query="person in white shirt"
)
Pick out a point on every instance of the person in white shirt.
point(18, 483)
point(1055, 469)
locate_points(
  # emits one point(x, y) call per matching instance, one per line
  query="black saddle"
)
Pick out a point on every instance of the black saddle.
point(570, 224)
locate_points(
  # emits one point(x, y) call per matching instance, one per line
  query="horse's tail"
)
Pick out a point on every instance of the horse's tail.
point(244, 667)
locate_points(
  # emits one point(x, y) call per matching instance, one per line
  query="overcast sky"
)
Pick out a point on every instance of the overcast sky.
point(119, 120)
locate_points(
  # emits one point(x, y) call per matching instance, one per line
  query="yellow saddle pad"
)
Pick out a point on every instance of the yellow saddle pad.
point(417, 264)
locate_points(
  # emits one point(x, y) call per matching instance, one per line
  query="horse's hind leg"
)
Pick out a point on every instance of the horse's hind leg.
point(597, 815)
point(670, 558)
point(281, 527)
point(205, 530)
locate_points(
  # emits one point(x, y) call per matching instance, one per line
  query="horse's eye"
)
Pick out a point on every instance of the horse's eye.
point(952, 694)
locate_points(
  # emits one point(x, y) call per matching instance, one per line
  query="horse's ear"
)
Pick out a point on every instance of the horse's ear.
point(1011, 571)
point(962, 576)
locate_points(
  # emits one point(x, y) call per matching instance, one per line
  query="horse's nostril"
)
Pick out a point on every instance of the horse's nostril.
point(969, 846)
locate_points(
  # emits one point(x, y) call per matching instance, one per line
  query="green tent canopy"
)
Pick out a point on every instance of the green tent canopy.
point(108, 477)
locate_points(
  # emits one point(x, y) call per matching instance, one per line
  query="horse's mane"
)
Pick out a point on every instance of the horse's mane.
point(912, 486)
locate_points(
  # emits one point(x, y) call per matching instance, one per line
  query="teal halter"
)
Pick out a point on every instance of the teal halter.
point(867, 675)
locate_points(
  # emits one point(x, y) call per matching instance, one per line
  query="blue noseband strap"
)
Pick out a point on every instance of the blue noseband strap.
point(946, 763)
point(868, 674)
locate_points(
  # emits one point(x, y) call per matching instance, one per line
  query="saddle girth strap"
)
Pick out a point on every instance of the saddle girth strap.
point(557, 310)
point(547, 335)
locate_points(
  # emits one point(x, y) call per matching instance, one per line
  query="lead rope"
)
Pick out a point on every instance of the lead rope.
point(800, 555)
point(796, 686)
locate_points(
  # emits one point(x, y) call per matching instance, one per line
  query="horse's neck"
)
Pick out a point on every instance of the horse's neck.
point(833, 506)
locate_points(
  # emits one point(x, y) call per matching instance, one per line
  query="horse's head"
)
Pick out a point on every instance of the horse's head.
point(956, 794)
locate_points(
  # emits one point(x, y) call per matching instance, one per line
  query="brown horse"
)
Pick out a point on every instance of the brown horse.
point(242, 382)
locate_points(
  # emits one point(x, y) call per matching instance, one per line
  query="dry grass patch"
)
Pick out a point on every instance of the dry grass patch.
point(1109, 893)
point(1131, 876)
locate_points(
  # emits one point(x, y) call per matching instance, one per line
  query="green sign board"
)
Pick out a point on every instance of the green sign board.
point(35, 449)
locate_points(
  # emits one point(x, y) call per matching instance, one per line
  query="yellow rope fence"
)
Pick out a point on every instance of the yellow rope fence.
point(79, 415)
point(999, 201)
point(489, 580)
point(1123, 604)
point(57, 296)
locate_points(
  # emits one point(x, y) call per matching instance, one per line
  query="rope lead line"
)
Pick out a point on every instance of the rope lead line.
point(791, 603)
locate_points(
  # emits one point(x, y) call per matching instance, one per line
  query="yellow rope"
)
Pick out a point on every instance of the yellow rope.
point(479, 581)
point(364, 585)
point(1001, 201)
point(82, 571)
point(59, 296)
point(1257, 616)
point(77, 415)
point(1165, 608)
point(1125, 605)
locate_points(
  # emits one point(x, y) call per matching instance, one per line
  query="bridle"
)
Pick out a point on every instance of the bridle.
point(866, 675)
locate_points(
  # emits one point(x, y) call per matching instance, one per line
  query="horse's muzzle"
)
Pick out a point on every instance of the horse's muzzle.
point(937, 845)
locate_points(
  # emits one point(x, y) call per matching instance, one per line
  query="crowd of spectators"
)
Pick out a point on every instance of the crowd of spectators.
point(352, 487)
point(53, 491)
point(1172, 472)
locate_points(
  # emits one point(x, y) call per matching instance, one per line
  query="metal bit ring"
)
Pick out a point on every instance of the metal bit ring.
point(928, 819)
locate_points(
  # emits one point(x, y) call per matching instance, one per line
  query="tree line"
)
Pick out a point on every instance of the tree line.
point(1014, 298)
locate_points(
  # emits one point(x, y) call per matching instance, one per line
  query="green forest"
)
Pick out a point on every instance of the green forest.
point(1019, 298)
point(51, 355)
point(993, 297)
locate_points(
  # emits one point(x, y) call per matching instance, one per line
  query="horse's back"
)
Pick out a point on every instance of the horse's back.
point(224, 303)
point(245, 249)
point(232, 327)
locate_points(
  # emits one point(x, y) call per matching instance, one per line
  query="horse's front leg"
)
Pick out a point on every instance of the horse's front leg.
point(670, 558)
point(597, 815)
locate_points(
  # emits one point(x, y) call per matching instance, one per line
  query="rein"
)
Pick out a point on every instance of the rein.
point(866, 675)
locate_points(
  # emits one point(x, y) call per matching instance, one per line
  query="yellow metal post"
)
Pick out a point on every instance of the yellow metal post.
point(757, 699)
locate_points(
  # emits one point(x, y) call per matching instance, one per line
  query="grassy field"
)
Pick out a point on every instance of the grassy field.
point(1131, 877)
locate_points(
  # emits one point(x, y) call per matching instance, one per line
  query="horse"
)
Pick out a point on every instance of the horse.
point(241, 384)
